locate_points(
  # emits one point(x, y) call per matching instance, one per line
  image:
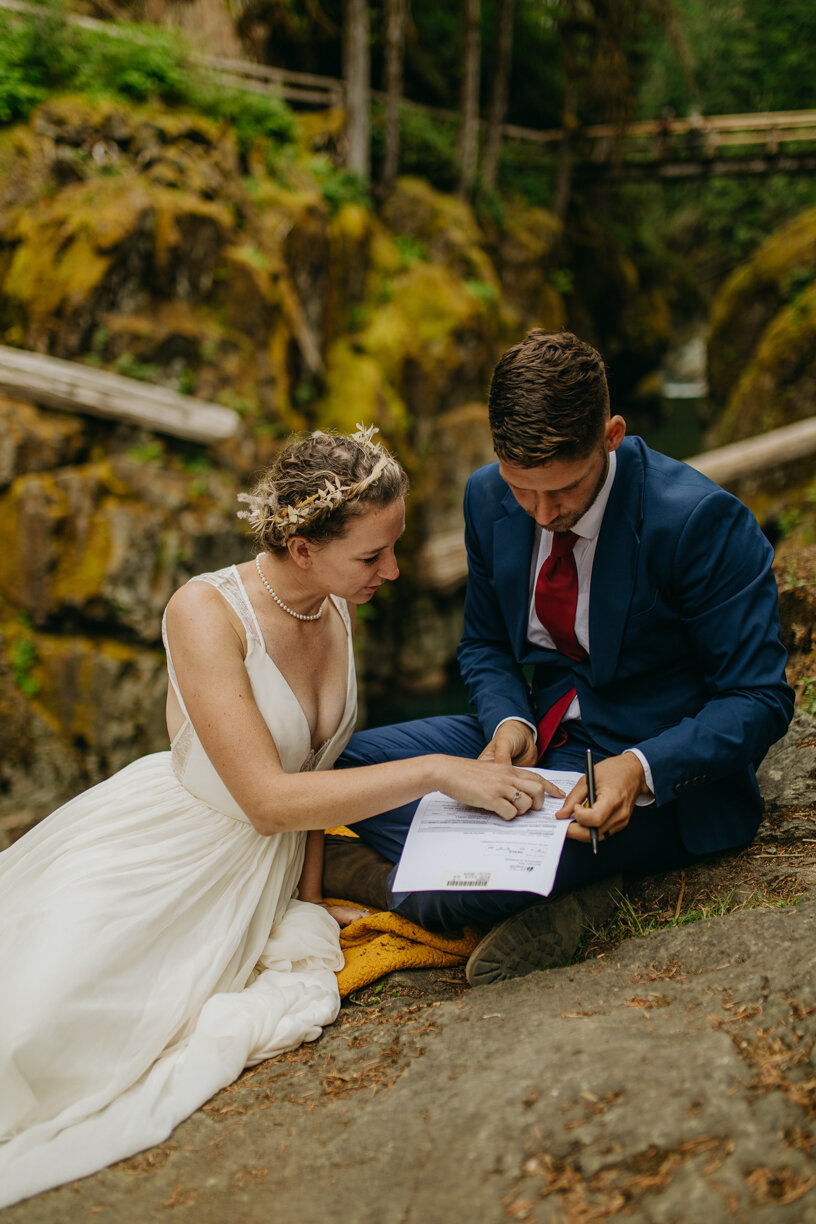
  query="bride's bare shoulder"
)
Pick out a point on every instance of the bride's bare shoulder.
point(199, 607)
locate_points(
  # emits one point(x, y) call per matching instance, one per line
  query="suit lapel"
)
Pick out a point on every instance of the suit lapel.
point(512, 549)
point(615, 564)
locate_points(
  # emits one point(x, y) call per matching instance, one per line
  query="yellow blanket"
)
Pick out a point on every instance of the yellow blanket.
point(381, 943)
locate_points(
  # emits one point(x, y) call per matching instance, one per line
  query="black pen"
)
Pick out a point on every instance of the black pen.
point(590, 780)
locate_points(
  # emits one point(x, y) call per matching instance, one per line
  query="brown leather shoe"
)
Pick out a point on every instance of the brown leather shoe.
point(353, 871)
point(543, 936)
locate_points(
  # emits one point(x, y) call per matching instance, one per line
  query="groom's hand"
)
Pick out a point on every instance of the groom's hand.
point(619, 780)
point(513, 744)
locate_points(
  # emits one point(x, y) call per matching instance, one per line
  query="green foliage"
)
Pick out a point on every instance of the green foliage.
point(484, 293)
point(808, 703)
point(44, 55)
point(788, 519)
point(238, 403)
point(147, 452)
point(254, 116)
point(129, 366)
point(797, 281)
point(724, 58)
point(137, 71)
point(427, 147)
point(195, 464)
point(339, 187)
point(24, 68)
point(634, 920)
point(411, 250)
point(22, 656)
point(187, 382)
point(562, 280)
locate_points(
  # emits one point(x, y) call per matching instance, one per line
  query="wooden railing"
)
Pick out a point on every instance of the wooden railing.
point(73, 387)
point(664, 148)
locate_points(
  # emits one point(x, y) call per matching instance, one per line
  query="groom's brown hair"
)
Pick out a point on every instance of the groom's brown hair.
point(548, 399)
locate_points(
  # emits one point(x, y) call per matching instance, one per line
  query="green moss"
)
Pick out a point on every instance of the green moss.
point(22, 653)
point(357, 389)
point(776, 274)
point(64, 247)
point(779, 384)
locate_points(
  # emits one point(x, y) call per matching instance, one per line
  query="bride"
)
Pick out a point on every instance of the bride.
point(164, 929)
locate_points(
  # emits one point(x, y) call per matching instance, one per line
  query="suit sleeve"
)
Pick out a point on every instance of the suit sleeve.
point(492, 674)
point(726, 595)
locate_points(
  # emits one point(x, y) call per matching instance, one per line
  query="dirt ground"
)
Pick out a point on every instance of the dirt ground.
point(668, 1075)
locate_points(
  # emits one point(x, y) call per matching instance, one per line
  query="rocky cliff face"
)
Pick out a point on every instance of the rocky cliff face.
point(762, 341)
point(152, 244)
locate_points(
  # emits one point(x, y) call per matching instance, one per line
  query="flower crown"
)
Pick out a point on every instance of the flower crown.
point(264, 511)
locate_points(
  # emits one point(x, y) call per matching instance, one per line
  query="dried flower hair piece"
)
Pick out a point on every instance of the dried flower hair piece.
point(265, 512)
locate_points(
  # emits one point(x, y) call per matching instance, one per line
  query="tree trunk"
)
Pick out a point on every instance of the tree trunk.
point(563, 179)
point(396, 12)
point(357, 74)
point(501, 89)
point(469, 134)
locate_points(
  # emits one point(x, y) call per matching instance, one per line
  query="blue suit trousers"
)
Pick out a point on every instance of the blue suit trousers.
point(651, 842)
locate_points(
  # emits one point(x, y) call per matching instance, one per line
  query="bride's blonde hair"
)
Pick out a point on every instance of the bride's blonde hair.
point(318, 483)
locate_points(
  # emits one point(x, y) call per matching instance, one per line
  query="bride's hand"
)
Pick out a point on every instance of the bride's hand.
point(502, 789)
point(343, 915)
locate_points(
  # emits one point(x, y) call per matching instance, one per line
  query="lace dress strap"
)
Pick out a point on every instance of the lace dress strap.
point(229, 584)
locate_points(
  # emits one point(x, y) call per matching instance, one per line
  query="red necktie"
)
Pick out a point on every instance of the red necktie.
point(556, 595)
point(556, 598)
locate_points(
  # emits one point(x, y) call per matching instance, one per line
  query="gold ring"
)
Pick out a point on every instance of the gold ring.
point(516, 796)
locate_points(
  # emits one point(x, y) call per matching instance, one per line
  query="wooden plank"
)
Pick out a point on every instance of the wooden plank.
point(741, 460)
point(72, 387)
point(777, 163)
point(267, 72)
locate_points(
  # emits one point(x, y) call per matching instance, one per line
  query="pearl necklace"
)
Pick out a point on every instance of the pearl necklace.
point(297, 615)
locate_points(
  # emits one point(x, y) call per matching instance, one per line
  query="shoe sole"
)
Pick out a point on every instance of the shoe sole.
point(544, 936)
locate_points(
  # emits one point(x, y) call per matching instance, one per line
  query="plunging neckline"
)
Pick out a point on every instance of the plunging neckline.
point(314, 753)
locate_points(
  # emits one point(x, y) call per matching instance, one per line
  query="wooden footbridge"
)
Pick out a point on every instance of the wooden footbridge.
point(667, 148)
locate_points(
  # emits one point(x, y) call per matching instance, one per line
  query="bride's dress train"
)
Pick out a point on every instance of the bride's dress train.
point(152, 948)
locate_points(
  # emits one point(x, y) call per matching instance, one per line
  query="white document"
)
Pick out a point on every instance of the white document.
point(451, 847)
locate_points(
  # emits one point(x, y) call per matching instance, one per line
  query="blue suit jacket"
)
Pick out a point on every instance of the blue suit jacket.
point(685, 658)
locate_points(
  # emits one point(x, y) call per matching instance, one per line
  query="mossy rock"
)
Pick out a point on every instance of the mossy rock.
point(358, 390)
point(430, 346)
point(778, 386)
point(26, 167)
point(442, 227)
point(795, 569)
point(72, 711)
point(109, 244)
point(291, 221)
point(64, 264)
point(107, 543)
point(190, 235)
point(350, 234)
point(751, 297)
point(246, 289)
point(35, 441)
point(524, 244)
point(82, 121)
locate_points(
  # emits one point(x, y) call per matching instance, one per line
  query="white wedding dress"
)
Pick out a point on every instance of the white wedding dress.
point(152, 948)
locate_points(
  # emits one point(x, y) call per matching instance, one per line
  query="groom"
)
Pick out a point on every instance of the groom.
point(616, 600)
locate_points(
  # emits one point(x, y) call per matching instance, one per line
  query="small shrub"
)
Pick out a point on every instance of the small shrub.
point(484, 292)
point(339, 187)
point(138, 71)
point(254, 116)
point(22, 657)
point(411, 250)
